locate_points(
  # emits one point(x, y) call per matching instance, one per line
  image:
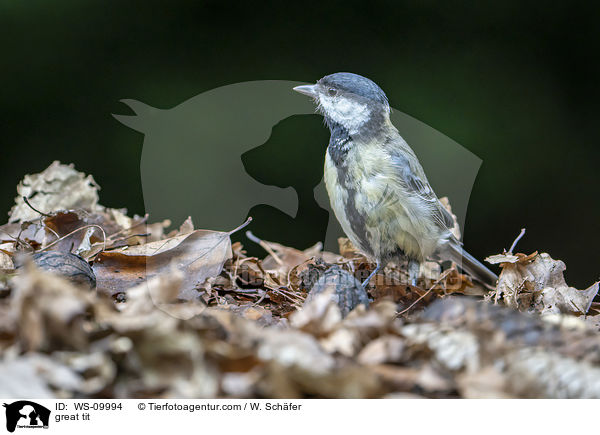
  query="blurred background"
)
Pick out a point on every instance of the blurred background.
point(515, 82)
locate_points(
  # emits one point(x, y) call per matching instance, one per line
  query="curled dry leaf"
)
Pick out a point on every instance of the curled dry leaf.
point(199, 254)
point(319, 315)
point(282, 260)
point(87, 233)
point(58, 187)
point(536, 282)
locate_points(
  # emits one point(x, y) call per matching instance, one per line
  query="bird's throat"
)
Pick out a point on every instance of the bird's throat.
point(339, 143)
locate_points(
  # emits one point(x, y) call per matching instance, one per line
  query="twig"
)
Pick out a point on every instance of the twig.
point(73, 232)
point(18, 239)
point(264, 294)
point(265, 246)
point(33, 208)
point(245, 224)
point(514, 244)
point(294, 268)
point(442, 276)
point(52, 231)
point(129, 237)
point(43, 214)
point(137, 224)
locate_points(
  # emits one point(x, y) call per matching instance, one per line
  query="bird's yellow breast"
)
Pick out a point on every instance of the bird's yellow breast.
point(372, 207)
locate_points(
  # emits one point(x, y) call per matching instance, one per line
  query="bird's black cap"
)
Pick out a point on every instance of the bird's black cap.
point(356, 84)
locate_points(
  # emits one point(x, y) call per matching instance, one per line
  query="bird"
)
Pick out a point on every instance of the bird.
point(377, 187)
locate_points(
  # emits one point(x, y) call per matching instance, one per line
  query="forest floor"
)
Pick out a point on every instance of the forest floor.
point(95, 303)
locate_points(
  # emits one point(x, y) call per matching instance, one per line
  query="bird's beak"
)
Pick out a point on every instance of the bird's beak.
point(310, 90)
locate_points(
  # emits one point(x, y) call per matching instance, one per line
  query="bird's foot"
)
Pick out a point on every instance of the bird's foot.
point(366, 281)
point(414, 270)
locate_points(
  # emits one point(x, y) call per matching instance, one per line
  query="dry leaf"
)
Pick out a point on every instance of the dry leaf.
point(295, 349)
point(58, 187)
point(385, 349)
point(319, 316)
point(51, 311)
point(199, 254)
point(536, 281)
point(13, 372)
point(6, 262)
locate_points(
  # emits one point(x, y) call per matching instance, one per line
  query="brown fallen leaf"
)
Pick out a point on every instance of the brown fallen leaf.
point(200, 254)
point(283, 259)
point(64, 225)
point(186, 227)
point(536, 282)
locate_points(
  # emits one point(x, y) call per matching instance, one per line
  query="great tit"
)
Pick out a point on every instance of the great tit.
point(376, 185)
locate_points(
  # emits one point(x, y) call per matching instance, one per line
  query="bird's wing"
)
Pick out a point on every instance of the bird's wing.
point(415, 181)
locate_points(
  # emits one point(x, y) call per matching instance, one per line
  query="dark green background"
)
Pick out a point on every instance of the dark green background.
point(514, 82)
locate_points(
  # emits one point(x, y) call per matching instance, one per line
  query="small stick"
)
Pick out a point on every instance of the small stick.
point(129, 237)
point(52, 231)
point(73, 232)
point(514, 244)
point(141, 222)
point(294, 268)
point(33, 208)
point(264, 294)
point(245, 224)
point(265, 246)
point(442, 276)
point(18, 240)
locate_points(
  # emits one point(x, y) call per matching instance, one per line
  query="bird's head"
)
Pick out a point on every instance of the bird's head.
point(349, 100)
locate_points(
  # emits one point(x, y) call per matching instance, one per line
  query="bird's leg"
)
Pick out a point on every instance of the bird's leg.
point(414, 269)
point(366, 281)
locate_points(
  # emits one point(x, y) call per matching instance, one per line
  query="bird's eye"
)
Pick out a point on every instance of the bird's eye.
point(332, 92)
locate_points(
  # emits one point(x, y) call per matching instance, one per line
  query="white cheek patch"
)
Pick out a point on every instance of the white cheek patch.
point(350, 114)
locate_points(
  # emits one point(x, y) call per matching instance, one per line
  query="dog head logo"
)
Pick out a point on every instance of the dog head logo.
point(210, 156)
point(26, 414)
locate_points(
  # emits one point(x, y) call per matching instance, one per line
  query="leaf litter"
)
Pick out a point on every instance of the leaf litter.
point(186, 313)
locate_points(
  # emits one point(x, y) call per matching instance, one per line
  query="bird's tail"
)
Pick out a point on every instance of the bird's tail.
point(471, 265)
